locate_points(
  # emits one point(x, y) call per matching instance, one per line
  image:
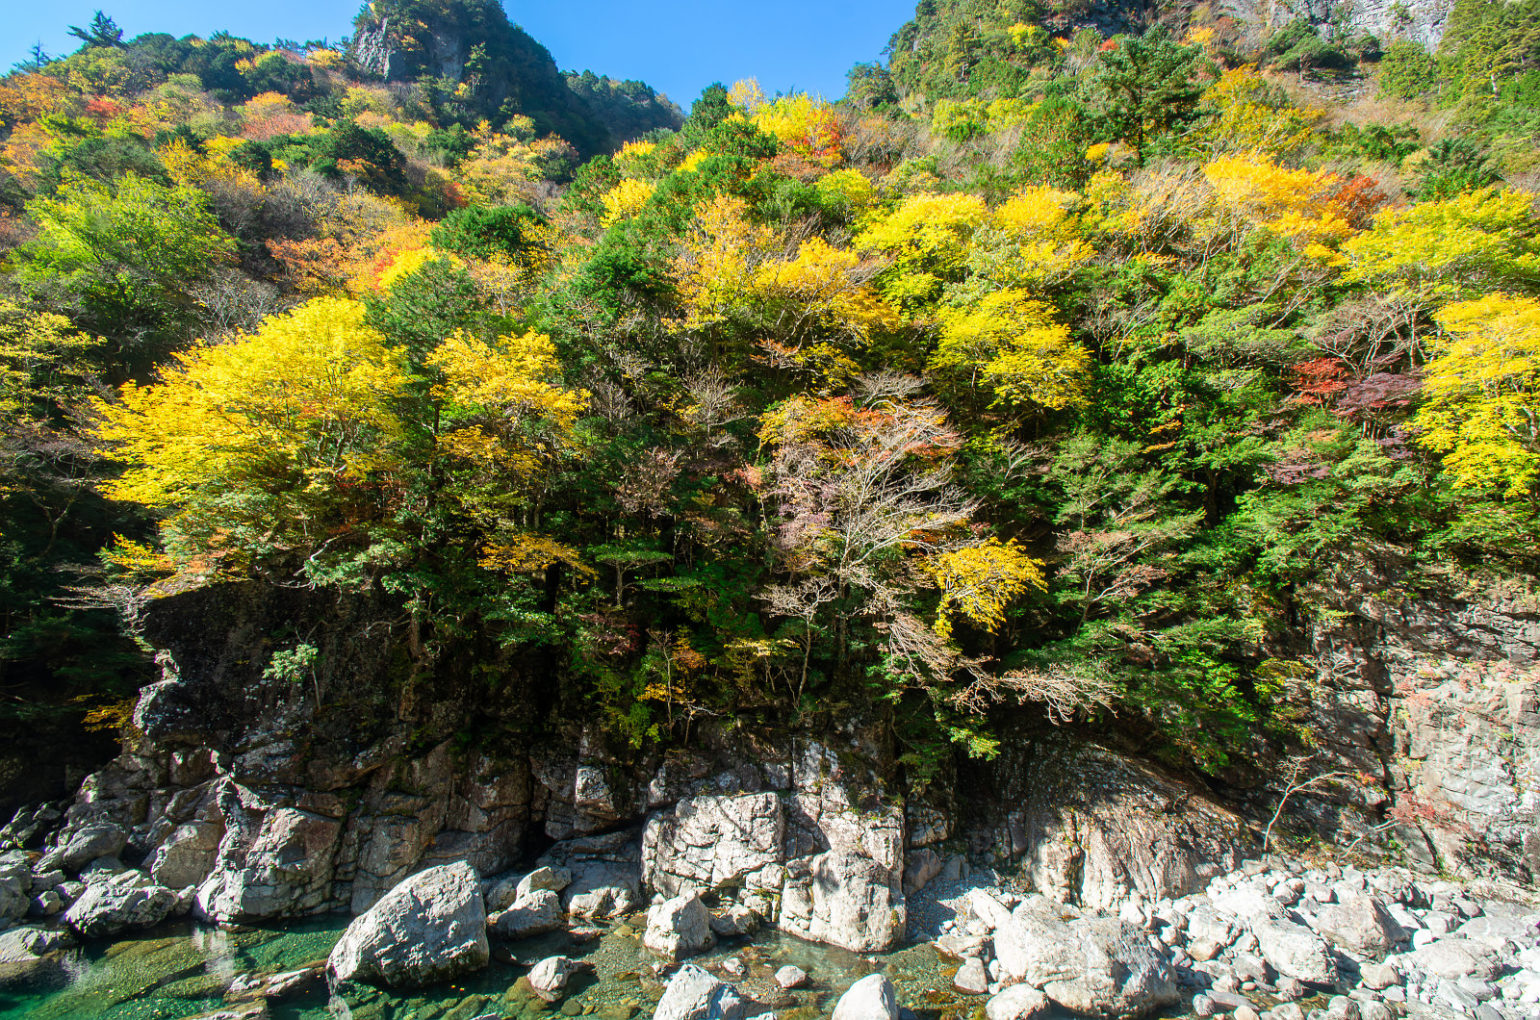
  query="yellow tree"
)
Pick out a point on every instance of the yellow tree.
point(1457, 247)
point(1482, 390)
point(1014, 346)
point(270, 443)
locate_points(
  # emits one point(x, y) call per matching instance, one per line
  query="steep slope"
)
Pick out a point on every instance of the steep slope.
point(497, 70)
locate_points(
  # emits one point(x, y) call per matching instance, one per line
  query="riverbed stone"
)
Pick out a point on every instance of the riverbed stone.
point(1094, 964)
point(694, 994)
point(971, 977)
point(536, 914)
point(679, 927)
point(871, 998)
point(791, 976)
point(1018, 1002)
point(844, 899)
point(86, 844)
point(549, 977)
point(431, 927)
point(1359, 924)
point(1295, 951)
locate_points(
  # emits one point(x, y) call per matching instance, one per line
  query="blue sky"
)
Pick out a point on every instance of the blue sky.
point(676, 46)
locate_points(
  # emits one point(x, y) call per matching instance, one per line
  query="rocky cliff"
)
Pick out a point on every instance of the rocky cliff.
point(258, 796)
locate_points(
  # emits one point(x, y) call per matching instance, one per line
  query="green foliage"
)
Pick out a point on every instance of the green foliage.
point(1149, 85)
point(483, 233)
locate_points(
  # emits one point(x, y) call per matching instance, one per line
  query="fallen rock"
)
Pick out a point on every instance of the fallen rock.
point(548, 878)
point(847, 900)
point(1295, 951)
point(1359, 924)
point(549, 977)
point(28, 953)
point(694, 994)
point(971, 977)
point(1097, 965)
point(789, 977)
point(1018, 1002)
point(1456, 958)
point(126, 900)
point(1379, 976)
point(871, 998)
point(679, 927)
point(531, 915)
point(706, 841)
point(84, 845)
point(431, 927)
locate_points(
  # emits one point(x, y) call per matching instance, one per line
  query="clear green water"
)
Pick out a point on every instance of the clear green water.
point(183, 970)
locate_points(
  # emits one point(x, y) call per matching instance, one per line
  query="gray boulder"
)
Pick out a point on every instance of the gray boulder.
point(1018, 1002)
point(84, 845)
point(15, 891)
point(791, 976)
point(29, 953)
point(547, 878)
point(549, 977)
point(1295, 951)
point(125, 900)
point(871, 998)
point(431, 927)
point(1097, 965)
point(844, 899)
point(1359, 924)
point(531, 915)
point(693, 994)
point(971, 977)
point(679, 927)
point(1456, 958)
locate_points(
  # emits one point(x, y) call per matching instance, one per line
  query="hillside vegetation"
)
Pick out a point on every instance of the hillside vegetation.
point(1044, 369)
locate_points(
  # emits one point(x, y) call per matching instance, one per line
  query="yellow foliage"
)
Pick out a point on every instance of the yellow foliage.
point(409, 261)
point(851, 186)
point(1251, 190)
point(1034, 239)
point(529, 553)
point(1482, 394)
point(300, 400)
point(717, 270)
point(693, 161)
point(1014, 345)
point(1247, 120)
point(1456, 247)
point(513, 374)
point(625, 200)
point(979, 581)
point(928, 236)
point(825, 283)
point(803, 124)
point(746, 95)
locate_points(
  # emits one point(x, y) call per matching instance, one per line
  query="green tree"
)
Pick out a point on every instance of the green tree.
point(1149, 86)
point(121, 259)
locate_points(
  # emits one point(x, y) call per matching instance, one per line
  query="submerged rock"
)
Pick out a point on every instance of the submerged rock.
point(429, 928)
point(28, 953)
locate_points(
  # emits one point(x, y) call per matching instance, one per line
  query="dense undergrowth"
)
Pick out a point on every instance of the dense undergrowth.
point(1041, 368)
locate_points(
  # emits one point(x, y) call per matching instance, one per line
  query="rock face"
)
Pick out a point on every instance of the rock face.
point(429, 928)
point(1095, 965)
point(706, 842)
point(679, 927)
point(1441, 696)
point(1082, 825)
point(871, 998)
point(27, 954)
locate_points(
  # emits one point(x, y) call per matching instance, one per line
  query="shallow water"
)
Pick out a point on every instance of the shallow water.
point(182, 970)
